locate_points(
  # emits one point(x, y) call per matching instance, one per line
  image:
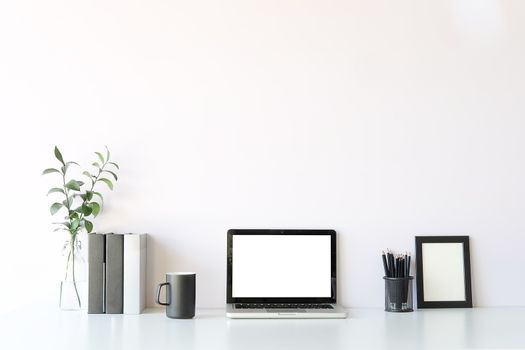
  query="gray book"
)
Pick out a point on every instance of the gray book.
point(96, 273)
point(114, 273)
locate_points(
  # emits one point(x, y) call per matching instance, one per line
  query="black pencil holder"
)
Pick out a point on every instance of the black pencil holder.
point(398, 294)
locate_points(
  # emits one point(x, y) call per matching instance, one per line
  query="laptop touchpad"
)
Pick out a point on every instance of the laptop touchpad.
point(291, 311)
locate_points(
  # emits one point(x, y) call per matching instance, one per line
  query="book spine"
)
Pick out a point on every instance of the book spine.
point(134, 273)
point(143, 259)
point(114, 273)
point(96, 272)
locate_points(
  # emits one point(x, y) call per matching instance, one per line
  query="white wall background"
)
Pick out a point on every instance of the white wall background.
point(380, 119)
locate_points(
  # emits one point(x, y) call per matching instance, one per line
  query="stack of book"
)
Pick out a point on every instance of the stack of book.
point(116, 273)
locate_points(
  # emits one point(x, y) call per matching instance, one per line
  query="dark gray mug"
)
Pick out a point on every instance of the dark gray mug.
point(180, 294)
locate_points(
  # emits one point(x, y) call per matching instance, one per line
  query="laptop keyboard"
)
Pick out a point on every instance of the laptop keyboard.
point(282, 306)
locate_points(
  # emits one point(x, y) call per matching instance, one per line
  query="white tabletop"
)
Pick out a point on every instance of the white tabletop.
point(50, 328)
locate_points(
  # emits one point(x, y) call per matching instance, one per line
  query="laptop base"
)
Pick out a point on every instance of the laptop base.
point(336, 312)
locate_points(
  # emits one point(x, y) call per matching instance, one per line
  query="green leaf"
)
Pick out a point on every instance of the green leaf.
point(100, 157)
point(114, 164)
point(96, 164)
point(86, 210)
point(107, 182)
point(107, 152)
point(73, 215)
point(50, 170)
point(58, 156)
point(99, 195)
point(95, 208)
point(88, 174)
point(55, 207)
point(112, 173)
point(74, 224)
point(88, 225)
point(87, 196)
point(66, 166)
point(55, 189)
point(66, 224)
point(59, 229)
point(74, 185)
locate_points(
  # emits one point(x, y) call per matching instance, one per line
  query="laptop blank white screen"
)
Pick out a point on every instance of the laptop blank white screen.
point(281, 266)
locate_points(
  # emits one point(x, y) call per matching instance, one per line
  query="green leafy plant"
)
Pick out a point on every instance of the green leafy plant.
point(81, 202)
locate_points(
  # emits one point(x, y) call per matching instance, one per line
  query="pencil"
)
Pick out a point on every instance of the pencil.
point(385, 266)
point(391, 264)
point(408, 266)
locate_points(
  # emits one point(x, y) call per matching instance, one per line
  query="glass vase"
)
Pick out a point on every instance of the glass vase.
point(73, 288)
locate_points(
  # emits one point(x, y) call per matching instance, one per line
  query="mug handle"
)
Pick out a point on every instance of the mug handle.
point(159, 287)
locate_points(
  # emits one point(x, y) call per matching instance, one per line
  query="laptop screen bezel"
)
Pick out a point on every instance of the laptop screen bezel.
point(229, 262)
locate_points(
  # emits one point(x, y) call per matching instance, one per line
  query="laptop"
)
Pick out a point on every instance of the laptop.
point(282, 274)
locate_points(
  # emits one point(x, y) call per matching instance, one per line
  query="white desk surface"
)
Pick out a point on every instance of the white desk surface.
point(50, 328)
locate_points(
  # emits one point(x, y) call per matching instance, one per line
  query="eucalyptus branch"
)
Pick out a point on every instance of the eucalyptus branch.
point(94, 180)
point(76, 218)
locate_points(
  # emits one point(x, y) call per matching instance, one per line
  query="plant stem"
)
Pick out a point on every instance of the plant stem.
point(73, 240)
point(73, 235)
point(66, 192)
point(93, 182)
point(67, 264)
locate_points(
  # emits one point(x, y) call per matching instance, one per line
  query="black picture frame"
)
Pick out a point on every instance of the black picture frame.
point(423, 303)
